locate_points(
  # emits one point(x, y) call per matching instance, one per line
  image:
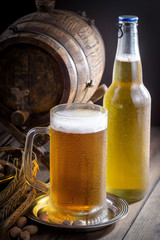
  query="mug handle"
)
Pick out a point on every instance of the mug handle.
point(27, 159)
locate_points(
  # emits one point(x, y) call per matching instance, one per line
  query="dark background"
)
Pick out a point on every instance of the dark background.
point(105, 13)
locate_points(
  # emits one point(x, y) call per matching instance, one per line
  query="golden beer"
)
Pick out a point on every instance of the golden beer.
point(77, 166)
point(128, 103)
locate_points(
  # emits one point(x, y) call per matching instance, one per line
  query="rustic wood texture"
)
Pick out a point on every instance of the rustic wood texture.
point(45, 5)
point(53, 56)
point(21, 136)
point(148, 219)
point(99, 93)
point(142, 222)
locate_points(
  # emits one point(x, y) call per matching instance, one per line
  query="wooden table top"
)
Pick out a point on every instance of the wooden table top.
point(142, 221)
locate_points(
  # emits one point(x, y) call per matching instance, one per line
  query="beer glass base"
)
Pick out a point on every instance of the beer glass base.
point(94, 216)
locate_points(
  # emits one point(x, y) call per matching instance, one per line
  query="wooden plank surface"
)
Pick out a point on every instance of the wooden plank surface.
point(147, 224)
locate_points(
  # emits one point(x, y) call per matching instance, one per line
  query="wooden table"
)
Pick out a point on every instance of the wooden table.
point(142, 221)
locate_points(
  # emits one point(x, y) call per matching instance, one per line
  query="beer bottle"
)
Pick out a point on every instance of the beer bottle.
point(129, 105)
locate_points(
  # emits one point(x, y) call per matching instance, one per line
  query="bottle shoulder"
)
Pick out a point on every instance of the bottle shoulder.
point(132, 94)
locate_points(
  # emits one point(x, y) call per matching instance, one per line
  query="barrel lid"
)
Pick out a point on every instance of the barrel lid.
point(128, 18)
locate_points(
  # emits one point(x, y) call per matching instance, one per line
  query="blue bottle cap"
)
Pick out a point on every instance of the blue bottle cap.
point(128, 18)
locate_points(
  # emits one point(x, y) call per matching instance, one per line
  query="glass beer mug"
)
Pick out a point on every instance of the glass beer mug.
point(77, 189)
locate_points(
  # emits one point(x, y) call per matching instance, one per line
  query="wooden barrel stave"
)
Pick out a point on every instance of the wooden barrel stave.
point(54, 50)
point(74, 44)
point(86, 36)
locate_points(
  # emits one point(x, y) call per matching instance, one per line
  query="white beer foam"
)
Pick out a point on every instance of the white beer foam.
point(79, 121)
point(128, 58)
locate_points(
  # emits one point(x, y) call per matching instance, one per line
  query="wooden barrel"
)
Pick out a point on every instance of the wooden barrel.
point(46, 58)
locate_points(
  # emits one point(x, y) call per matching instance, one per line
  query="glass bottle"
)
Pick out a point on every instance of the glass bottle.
point(129, 105)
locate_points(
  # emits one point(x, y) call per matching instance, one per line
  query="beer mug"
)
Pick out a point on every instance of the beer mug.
point(77, 189)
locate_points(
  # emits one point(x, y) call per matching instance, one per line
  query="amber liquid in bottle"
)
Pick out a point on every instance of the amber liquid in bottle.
point(128, 135)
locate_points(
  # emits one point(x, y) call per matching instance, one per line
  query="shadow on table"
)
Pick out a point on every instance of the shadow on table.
point(46, 233)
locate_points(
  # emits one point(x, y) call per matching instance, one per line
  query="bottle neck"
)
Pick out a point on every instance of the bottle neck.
point(128, 47)
point(127, 67)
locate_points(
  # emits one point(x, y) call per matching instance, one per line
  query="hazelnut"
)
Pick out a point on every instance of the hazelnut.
point(78, 223)
point(24, 235)
point(66, 222)
point(32, 229)
point(44, 217)
point(14, 232)
point(21, 222)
